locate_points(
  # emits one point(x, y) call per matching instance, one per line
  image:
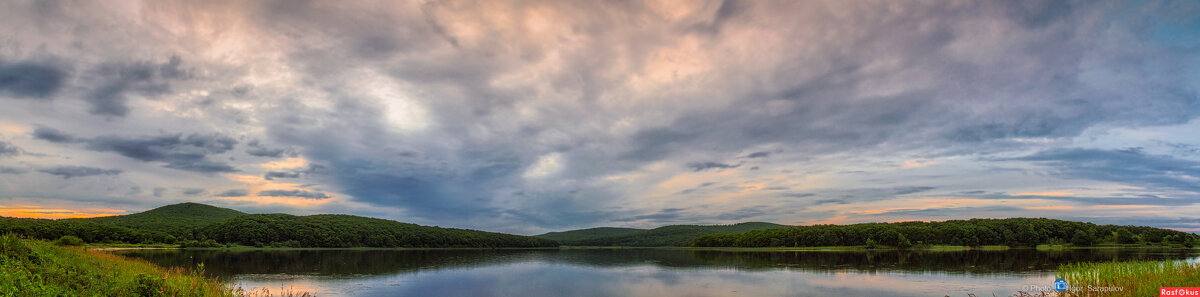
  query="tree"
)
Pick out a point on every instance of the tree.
point(871, 244)
point(1123, 236)
point(903, 243)
point(1081, 238)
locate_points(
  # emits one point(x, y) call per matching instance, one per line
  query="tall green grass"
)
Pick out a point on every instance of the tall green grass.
point(1136, 278)
point(39, 268)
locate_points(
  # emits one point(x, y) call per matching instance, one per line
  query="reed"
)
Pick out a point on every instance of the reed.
point(1135, 278)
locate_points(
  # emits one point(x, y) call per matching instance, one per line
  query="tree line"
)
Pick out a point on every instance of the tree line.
point(198, 225)
point(282, 230)
point(1015, 232)
point(88, 231)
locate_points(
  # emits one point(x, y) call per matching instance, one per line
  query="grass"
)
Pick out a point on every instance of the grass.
point(1137, 278)
point(40, 268)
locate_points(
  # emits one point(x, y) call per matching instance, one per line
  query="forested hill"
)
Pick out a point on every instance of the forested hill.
point(582, 234)
point(1016, 232)
point(199, 225)
point(175, 219)
point(674, 235)
point(284, 230)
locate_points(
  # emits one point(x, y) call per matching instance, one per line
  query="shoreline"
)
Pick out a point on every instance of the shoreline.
point(940, 248)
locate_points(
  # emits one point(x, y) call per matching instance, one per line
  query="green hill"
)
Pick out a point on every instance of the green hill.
point(284, 230)
point(582, 234)
point(176, 219)
point(674, 235)
point(199, 225)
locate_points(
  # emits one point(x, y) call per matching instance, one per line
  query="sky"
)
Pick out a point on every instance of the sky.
point(529, 116)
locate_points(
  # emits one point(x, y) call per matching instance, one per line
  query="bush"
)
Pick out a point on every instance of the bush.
point(68, 240)
point(209, 243)
point(12, 248)
point(146, 285)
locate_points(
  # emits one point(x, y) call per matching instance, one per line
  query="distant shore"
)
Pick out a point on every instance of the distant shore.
point(833, 248)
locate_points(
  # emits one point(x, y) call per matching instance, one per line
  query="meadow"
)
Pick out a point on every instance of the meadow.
point(39, 268)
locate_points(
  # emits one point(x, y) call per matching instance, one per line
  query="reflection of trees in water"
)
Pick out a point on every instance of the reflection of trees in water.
point(972, 261)
point(379, 262)
point(325, 262)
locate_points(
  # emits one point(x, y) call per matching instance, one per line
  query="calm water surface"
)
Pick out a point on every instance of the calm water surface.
point(641, 272)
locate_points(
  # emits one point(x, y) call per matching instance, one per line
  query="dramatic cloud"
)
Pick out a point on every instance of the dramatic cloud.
point(181, 152)
point(116, 81)
point(8, 149)
point(293, 193)
point(52, 135)
point(67, 172)
point(30, 80)
point(258, 150)
point(701, 166)
point(758, 155)
point(1122, 166)
point(532, 117)
point(281, 174)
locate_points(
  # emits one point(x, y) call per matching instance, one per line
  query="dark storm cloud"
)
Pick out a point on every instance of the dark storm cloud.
point(52, 135)
point(67, 172)
point(8, 149)
point(30, 80)
point(184, 152)
point(233, 193)
point(293, 193)
point(254, 148)
point(117, 80)
point(1129, 166)
point(701, 166)
point(12, 170)
point(158, 192)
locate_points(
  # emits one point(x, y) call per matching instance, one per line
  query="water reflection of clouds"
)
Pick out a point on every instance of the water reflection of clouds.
point(642, 272)
point(539, 279)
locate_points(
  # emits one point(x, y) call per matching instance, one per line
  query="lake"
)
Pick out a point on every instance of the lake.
point(642, 272)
